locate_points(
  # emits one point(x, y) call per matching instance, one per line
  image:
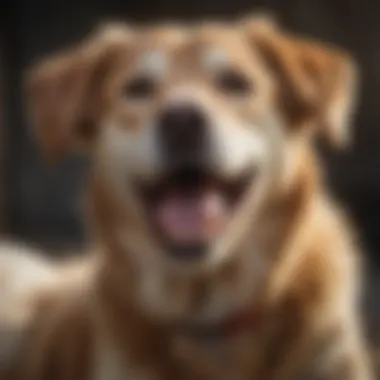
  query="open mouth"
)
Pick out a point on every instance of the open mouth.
point(190, 207)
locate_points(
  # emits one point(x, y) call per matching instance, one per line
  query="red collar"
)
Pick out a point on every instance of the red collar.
point(249, 319)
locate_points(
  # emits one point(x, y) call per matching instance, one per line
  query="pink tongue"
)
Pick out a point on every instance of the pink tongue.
point(187, 219)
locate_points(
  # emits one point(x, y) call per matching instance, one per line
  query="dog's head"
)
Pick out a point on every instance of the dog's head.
point(191, 128)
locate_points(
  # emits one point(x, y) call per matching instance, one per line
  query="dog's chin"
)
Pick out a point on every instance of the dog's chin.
point(189, 209)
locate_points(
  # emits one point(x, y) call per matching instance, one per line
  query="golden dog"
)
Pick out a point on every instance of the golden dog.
point(220, 254)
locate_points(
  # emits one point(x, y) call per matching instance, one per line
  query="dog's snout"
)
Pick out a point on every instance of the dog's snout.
point(182, 129)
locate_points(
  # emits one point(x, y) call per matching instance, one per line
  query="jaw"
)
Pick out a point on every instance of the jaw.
point(172, 291)
point(169, 296)
point(169, 288)
point(190, 208)
point(172, 268)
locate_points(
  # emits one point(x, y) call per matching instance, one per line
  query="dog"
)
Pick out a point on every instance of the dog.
point(219, 252)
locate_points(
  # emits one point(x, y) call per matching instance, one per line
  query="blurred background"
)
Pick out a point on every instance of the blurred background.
point(42, 205)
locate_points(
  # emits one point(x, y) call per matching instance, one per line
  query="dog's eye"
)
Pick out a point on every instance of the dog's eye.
point(234, 83)
point(140, 88)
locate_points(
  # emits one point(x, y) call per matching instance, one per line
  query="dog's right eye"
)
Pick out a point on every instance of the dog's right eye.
point(233, 83)
point(140, 88)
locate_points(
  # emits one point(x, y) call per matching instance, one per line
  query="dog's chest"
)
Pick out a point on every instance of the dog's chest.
point(209, 359)
point(244, 359)
point(217, 359)
point(110, 364)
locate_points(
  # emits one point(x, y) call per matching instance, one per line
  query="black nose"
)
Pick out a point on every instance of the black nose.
point(182, 130)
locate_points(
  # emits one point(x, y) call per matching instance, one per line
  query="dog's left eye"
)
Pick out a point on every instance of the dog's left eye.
point(140, 87)
point(233, 82)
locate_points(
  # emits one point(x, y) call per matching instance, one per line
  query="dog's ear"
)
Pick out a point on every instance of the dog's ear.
point(317, 83)
point(63, 91)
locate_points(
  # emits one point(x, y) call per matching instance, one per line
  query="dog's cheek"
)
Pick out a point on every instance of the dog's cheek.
point(129, 154)
point(236, 147)
point(291, 162)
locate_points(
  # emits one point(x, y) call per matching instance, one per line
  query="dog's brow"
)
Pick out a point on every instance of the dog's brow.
point(155, 62)
point(214, 58)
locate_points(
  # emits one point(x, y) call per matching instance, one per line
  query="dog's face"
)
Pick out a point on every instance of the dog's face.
point(192, 128)
point(188, 132)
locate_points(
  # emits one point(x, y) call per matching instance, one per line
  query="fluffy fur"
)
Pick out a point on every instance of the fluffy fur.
point(286, 264)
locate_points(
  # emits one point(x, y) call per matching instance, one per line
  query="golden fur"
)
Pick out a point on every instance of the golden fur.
point(288, 252)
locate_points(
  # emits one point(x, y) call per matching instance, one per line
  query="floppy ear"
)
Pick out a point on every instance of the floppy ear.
point(63, 93)
point(317, 83)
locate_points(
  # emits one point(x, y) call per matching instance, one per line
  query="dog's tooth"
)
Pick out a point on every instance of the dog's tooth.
point(215, 204)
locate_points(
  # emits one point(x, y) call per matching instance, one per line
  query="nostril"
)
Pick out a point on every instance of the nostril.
point(187, 117)
point(183, 117)
point(182, 128)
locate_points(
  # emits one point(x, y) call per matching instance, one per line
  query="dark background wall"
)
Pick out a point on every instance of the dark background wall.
point(42, 204)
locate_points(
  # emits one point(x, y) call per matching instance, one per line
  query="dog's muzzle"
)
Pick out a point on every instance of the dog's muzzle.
point(182, 133)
